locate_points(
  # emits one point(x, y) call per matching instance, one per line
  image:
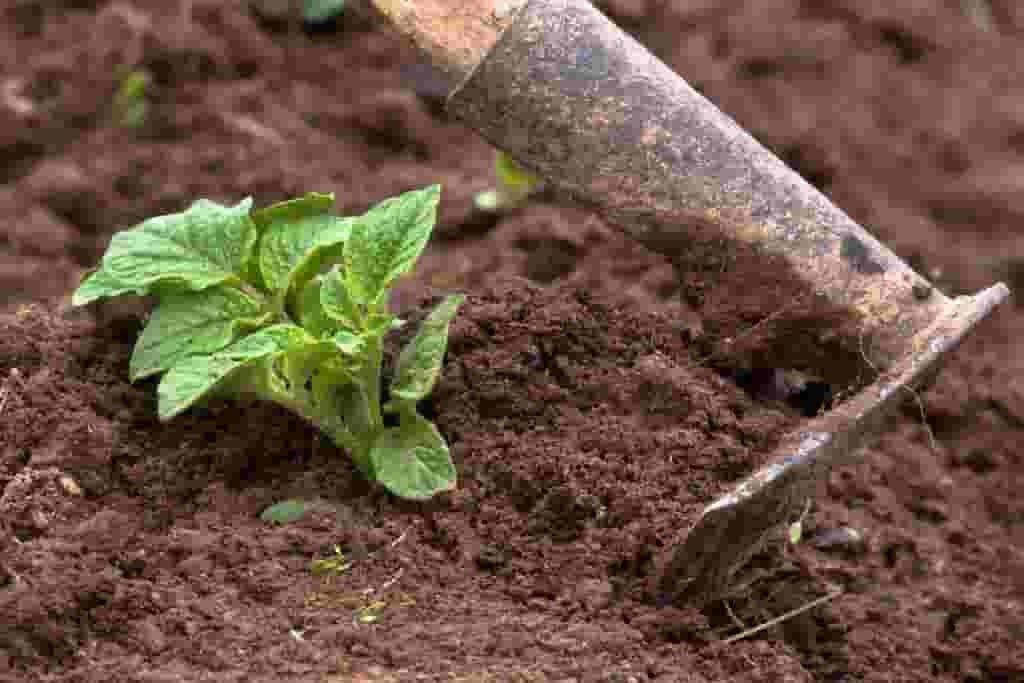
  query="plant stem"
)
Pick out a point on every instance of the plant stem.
point(332, 425)
point(371, 382)
point(341, 436)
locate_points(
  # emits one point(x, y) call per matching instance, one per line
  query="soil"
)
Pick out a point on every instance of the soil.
point(587, 422)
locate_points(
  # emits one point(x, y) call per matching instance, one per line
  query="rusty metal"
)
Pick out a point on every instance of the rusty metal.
point(576, 100)
point(736, 525)
point(569, 95)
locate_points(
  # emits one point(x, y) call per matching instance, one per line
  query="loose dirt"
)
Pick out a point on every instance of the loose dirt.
point(588, 423)
point(585, 440)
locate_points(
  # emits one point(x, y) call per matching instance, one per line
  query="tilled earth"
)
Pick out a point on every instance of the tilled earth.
point(587, 427)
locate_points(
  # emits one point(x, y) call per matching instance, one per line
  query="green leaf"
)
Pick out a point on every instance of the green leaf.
point(515, 185)
point(205, 245)
point(322, 10)
point(303, 361)
point(232, 369)
point(515, 180)
point(311, 204)
point(379, 324)
point(311, 313)
point(419, 364)
point(189, 323)
point(97, 284)
point(347, 342)
point(293, 251)
point(386, 241)
point(337, 301)
point(286, 512)
point(314, 366)
point(796, 532)
point(412, 460)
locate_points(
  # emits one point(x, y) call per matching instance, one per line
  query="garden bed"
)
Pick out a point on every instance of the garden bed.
point(587, 421)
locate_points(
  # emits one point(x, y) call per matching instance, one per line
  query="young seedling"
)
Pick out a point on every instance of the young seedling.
point(796, 529)
point(334, 565)
point(289, 304)
point(131, 101)
point(515, 185)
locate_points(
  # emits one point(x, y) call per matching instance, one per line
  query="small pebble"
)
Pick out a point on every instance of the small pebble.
point(841, 538)
point(69, 485)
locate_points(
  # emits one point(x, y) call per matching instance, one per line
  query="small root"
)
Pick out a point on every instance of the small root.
point(932, 442)
point(779, 619)
point(732, 615)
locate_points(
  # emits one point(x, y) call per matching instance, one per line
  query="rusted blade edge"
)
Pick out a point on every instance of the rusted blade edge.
point(734, 526)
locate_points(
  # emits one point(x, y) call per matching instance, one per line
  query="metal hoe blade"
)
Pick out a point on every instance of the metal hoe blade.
point(576, 100)
point(734, 527)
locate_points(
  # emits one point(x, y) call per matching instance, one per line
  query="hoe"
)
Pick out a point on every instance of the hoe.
point(563, 91)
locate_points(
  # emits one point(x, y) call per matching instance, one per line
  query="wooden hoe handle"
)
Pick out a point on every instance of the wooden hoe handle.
point(455, 35)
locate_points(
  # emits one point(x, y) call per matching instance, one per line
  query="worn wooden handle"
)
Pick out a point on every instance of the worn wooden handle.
point(454, 34)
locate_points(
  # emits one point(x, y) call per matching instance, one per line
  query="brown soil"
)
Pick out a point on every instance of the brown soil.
point(586, 433)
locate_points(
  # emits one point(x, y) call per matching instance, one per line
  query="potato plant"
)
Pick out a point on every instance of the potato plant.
point(289, 304)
